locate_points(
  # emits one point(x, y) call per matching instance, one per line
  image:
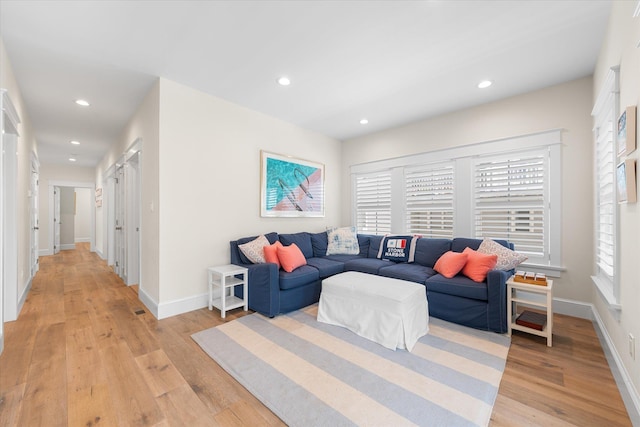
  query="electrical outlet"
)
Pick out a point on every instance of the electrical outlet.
point(632, 347)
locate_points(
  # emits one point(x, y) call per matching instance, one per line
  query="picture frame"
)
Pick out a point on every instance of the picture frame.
point(626, 136)
point(626, 181)
point(290, 187)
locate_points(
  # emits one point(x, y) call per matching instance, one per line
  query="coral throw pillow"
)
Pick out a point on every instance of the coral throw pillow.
point(451, 263)
point(478, 265)
point(291, 257)
point(271, 253)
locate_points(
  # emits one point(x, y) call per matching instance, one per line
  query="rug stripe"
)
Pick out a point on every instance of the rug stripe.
point(483, 367)
point(350, 402)
point(270, 386)
point(469, 340)
point(394, 396)
point(447, 397)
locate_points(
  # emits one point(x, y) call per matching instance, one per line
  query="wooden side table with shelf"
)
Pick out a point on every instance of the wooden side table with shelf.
point(526, 295)
point(222, 281)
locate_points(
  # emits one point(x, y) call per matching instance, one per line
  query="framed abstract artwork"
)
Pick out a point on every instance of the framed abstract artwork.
point(626, 181)
point(627, 131)
point(290, 187)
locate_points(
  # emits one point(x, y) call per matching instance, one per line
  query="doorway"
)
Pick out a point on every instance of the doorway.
point(63, 204)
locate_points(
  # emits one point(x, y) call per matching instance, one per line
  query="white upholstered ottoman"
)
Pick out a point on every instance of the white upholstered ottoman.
point(391, 312)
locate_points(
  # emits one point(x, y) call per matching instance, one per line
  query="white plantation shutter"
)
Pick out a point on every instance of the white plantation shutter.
point(429, 194)
point(373, 203)
point(511, 200)
point(605, 201)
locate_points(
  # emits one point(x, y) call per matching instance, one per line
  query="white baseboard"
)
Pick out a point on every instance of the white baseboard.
point(99, 252)
point(149, 302)
point(184, 305)
point(23, 297)
point(67, 246)
point(573, 308)
point(630, 395)
point(83, 239)
point(45, 252)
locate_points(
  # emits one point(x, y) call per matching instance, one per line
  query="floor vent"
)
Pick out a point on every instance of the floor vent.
point(139, 312)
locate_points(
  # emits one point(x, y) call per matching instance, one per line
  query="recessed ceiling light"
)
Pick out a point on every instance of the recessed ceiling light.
point(82, 102)
point(364, 121)
point(71, 159)
point(284, 81)
point(75, 142)
point(485, 84)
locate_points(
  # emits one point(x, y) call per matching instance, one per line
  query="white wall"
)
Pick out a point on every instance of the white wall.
point(82, 221)
point(210, 182)
point(566, 106)
point(26, 147)
point(619, 48)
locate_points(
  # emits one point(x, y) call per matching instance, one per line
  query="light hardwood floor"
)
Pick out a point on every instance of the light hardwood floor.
point(86, 352)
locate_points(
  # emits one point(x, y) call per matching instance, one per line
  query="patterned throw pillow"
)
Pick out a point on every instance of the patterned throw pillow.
point(398, 248)
point(343, 241)
point(254, 250)
point(507, 259)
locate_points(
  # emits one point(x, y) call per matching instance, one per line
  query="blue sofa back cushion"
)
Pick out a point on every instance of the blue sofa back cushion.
point(302, 241)
point(271, 237)
point(319, 243)
point(428, 251)
point(374, 246)
point(363, 242)
point(459, 243)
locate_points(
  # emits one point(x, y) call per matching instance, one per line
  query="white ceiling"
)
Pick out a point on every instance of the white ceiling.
point(392, 62)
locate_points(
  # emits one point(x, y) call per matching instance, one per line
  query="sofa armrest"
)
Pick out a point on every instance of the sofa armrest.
point(264, 288)
point(497, 300)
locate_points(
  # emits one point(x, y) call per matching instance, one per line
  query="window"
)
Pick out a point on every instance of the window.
point(506, 189)
point(510, 200)
point(605, 113)
point(373, 203)
point(429, 201)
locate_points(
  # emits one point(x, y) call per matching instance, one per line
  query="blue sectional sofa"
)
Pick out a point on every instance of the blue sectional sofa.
point(459, 299)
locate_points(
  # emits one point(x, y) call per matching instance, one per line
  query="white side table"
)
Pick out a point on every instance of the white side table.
point(533, 296)
point(222, 281)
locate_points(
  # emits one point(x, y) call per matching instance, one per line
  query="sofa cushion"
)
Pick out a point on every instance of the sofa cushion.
point(343, 241)
point(271, 237)
point(343, 258)
point(478, 265)
point(366, 265)
point(428, 251)
point(302, 241)
point(301, 276)
point(363, 242)
point(253, 250)
point(451, 263)
point(319, 243)
point(459, 285)
point(410, 272)
point(290, 257)
point(374, 246)
point(507, 259)
point(398, 248)
point(325, 266)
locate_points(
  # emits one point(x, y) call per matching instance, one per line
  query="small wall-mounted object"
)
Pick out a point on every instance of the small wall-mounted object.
point(626, 181)
point(98, 197)
point(627, 131)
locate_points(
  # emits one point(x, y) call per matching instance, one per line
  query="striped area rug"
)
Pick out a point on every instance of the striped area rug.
point(314, 374)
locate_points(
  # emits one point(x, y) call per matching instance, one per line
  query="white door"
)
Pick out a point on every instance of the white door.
point(132, 180)
point(120, 238)
point(56, 220)
point(35, 227)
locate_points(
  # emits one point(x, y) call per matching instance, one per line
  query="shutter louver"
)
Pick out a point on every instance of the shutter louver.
point(429, 194)
point(373, 203)
point(510, 202)
point(606, 200)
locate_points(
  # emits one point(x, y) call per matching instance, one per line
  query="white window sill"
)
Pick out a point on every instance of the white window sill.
point(607, 293)
point(548, 270)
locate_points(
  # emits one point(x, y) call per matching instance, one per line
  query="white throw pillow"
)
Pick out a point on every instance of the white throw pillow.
point(343, 241)
point(254, 250)
point(507, 259)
